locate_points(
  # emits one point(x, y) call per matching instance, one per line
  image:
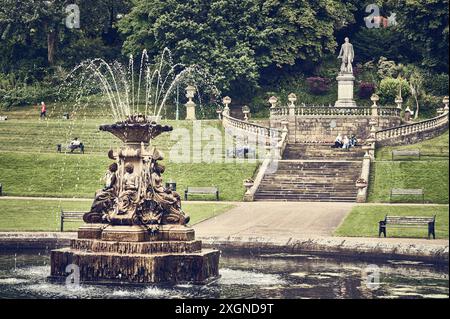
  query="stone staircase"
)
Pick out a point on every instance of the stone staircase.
point(313, 172)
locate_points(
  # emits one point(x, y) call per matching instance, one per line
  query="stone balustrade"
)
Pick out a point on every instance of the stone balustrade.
point(250, 128)
point(332, 111)
point(413, 132)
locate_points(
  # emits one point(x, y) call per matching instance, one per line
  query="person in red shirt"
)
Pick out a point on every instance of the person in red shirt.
point(43, 110)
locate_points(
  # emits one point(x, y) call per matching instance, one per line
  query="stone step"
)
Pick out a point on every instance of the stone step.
point(320, 151)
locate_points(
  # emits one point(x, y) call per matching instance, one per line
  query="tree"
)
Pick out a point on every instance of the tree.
point(234, 40)
point(37, 24)
point(424, 25)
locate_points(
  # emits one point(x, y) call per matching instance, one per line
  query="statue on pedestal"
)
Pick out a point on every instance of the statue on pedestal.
point(345, 77)
point(347, 54)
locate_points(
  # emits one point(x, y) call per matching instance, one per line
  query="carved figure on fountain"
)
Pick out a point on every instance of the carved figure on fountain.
point(105, 198)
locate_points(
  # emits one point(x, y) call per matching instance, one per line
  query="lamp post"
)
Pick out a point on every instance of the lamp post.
point(190, 105)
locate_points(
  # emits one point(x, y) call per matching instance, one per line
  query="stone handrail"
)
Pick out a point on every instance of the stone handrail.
point(250, 128)
point(409, 129)
point(268, 164)
point(333, 111)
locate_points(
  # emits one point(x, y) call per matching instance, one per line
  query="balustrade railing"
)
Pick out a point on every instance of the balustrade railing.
point(413, 128)
point(333, 111)
point(250, 128)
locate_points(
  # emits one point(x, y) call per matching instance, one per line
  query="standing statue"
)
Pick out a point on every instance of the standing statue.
point(104, 199)
point(347, 54)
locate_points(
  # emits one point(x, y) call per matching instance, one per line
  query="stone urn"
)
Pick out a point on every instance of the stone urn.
point(361, 183)
point(248, 184)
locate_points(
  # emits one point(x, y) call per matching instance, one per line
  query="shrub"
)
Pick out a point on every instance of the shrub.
point(318, 85)
point(366, 89)
point(389, 88)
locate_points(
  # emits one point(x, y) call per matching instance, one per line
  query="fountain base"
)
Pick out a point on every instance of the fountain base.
point(130, 254)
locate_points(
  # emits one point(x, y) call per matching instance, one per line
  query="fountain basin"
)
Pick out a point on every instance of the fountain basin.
point(153, 260)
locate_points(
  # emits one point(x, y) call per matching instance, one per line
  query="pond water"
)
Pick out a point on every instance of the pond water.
point(23, 275)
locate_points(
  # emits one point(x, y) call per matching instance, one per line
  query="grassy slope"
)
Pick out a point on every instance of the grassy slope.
point(43, 215)
point(363, 221)
point(30, 166)
point(430, 173)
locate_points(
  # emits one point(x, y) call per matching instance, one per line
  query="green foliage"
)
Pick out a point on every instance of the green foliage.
point(437, 84)
point(424, 24)
point(389, 88)
point(235, 40)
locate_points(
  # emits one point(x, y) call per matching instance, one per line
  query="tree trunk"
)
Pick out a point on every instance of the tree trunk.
point(416, 115)
point(51, 46)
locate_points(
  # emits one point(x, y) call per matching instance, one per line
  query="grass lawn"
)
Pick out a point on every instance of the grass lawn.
point(43, 215)
point(431, 176)
point(363, 221)
point(73, 175)
point(30, 166)
point(433, 149)
point(430, 173)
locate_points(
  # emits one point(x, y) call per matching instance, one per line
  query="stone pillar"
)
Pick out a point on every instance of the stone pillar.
point(190, 105)
point(363, 182)
point(345, 90)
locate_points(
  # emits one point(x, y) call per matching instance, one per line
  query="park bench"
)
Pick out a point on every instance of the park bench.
point(411, 192)
point(70, 217)
point(201, 191)
point(408, 222)
point(71, 148)
point(1, 189)
point(409, 153)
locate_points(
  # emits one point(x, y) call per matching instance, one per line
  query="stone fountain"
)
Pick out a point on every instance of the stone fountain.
point(136, 230)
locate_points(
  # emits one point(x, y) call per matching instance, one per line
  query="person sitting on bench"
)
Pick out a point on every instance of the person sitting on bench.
point(76, 144)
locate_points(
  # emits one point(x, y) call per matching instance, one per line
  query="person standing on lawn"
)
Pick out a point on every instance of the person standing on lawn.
point(43, 110)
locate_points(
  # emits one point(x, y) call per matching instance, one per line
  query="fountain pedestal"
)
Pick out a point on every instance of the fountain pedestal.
point(172, 255)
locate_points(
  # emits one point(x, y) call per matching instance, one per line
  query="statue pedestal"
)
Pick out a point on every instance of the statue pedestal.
point(190, 111)
point(345, 90)
point(132, 255)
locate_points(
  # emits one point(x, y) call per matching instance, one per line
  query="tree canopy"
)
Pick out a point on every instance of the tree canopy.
point(235, 39)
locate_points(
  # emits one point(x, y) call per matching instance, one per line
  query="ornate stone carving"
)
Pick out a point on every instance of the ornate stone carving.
point(134, 193)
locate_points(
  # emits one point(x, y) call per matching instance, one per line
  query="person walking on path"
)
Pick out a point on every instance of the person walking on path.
point(43, 111)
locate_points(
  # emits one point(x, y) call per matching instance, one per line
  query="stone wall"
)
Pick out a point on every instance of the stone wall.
point(325, 129)
point(414, 137)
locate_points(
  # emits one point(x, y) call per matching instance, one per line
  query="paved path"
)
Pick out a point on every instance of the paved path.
point(269, 219)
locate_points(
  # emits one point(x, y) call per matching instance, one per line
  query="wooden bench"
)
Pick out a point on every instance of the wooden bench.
point(411, 192)
point(409, 153)
point(408, 222)
point(201, 191)
point(71, 217)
